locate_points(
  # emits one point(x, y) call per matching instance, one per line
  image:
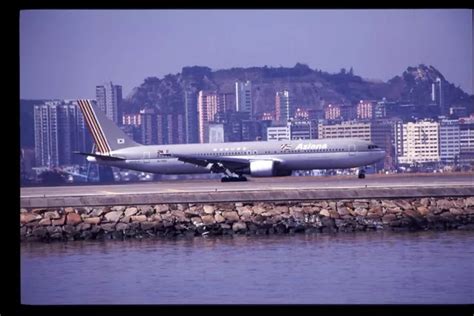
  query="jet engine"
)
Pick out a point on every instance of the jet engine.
point(262, 168)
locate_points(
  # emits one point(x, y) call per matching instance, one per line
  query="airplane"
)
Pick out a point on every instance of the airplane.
point(234, 160)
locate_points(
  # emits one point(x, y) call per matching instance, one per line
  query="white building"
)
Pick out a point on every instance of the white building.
point(417, 142)
point(216, 133)
point(349, 129)
point(278, 133)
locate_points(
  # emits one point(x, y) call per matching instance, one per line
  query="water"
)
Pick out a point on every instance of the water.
point(359, 268)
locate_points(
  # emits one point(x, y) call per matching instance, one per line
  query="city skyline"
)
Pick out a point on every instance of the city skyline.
point(77, 50)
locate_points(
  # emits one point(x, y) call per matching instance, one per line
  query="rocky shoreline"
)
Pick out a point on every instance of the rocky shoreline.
point(205, 219)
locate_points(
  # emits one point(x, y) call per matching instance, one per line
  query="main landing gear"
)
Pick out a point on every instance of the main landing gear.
point(361, 174)
point(239, 178)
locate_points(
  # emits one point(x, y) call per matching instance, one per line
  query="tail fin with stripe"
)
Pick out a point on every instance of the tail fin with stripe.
point(107, 136)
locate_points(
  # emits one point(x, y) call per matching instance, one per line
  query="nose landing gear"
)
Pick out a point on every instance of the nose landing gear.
point(361, 174)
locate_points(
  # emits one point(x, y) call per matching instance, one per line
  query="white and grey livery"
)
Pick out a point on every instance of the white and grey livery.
point(257, 159)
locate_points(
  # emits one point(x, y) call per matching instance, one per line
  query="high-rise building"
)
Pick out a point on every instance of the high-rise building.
point(226, 102)
point(466, 140)
point(382, 135)
point(171, 128)
point(332, 112)
point(109, 100)
point(365, 109)
point(207, 108)
point(243, 97)
point(59, 131)
point(437, 94)
point(449, 147)
point(191, 117)
point(149, 126)
point(131, 119)
point(283, 107)
point(417, 142)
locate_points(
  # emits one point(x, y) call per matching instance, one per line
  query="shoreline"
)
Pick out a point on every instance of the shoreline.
point(250, 218)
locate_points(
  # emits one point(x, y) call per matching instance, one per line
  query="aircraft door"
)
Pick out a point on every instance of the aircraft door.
point(352, 149)
point(146, 157)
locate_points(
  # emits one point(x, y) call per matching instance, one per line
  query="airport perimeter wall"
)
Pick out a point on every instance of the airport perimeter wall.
point(251, 217)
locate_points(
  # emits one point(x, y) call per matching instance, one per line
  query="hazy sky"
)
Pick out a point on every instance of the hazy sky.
point(66, 53)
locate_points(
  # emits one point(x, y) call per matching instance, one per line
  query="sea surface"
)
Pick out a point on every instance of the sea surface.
point(344, 268)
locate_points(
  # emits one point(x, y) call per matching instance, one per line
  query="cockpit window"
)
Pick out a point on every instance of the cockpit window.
point(373, 146)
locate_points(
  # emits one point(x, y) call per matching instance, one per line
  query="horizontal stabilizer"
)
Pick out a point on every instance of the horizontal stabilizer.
point(103, 157)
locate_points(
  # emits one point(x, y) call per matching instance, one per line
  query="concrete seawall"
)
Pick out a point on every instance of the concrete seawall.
point(309, 215)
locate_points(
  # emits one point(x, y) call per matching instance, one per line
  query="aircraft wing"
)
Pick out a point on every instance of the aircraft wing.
point(104, 157)
point(230, 163)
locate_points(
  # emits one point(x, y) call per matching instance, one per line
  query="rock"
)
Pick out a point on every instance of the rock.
point(146, 210)
point(138, 218)
point(83, 226)
point(92, 220)
point(109, 227)
point(404, 204)
point(425, 202)
point(225, 226)
point(231, 216)
point(360, 211)
point(209, 209)
point(324, 212)
point(59, 222)
point(54, 230)
point(125, 219)
point(131, 211)
point(219, 218)
point(469, 201)
point(423, 210)
point(121, 227)
point(68, 210)
point(97, 212)
point(69, 229)
point(343, 210)
point(191, 212)
point(23, 210)
point(281, 209)
point(180, 216)
point(45, 222)
point(333, 213)
point(258, 210)
point(52, 215)
point(389, 204)
point(412, 213)
point(237, 204)
point(40, 232)
point(162, 208)
point(197, 221)
point(239, 226)
point(208, 219)
point(38, 210)
point(393, 210)
point(147, 225)
point(113, 216)
point(435, 210)
point(456, 211)
point(29, 217)
point(387, 218)
point(73, 218)
point(444, 204)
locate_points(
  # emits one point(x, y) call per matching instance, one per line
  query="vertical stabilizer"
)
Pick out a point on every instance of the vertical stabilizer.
point(107, 136)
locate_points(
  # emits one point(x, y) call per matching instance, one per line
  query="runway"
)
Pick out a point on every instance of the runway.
point(281, 184)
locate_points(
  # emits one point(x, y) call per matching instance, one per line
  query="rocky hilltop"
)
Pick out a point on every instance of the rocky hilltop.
point(309, 88)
